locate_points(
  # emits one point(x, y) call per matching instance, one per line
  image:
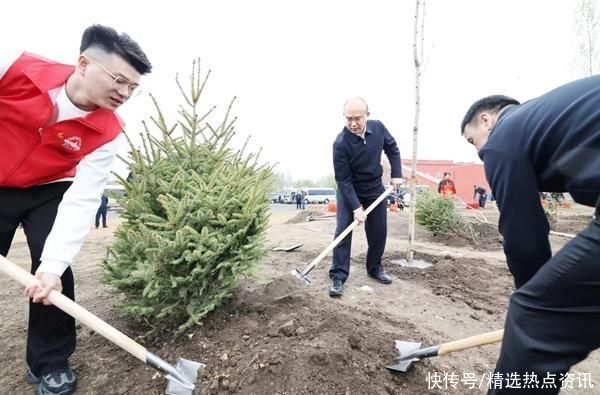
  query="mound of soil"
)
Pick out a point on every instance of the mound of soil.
point(482, 286)
point(274, 339)
point(488, 238)
point(291, 344)
point(277, 336)
point(573, 224)
point(302, 215)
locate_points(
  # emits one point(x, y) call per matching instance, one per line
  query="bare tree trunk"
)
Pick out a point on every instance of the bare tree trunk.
point(590, 60)
point(418, 40)
point(587, 20)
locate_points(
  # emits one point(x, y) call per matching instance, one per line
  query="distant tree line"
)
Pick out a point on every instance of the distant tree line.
point(285, 180)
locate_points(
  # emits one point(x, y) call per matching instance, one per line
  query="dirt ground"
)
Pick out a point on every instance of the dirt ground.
point(277, 336)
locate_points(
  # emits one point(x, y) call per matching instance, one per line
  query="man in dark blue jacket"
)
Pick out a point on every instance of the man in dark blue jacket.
point(357, 166)
point(549, 144)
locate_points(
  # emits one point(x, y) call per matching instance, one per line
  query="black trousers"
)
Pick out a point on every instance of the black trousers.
point(51, 332)
point(375, 228)
point(553, 320)
point(101, 213)
point(482, 199)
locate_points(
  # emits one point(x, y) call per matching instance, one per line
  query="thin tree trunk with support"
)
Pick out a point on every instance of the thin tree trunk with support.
point(418, 40)
point(587, 20)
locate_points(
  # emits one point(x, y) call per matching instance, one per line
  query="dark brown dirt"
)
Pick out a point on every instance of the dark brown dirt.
point(487, 238)
point(574, 224)
point(303, 215)
point(291, 345)
point(277, 336)
point(464, 280)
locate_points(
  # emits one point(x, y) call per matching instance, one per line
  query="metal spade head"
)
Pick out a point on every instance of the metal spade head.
point(182, 381)
point(296, 273)
point(406, 351)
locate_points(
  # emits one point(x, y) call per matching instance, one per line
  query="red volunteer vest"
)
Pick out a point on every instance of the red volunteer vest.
point(31, 153)
point(447, 188)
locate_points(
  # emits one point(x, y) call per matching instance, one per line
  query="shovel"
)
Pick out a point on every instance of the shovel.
point(411, 352)
point(180, 379)
point(303, 275)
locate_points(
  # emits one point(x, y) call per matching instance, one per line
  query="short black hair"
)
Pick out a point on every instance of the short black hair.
point(490, 103)
point(447, 174)
point(107, 39)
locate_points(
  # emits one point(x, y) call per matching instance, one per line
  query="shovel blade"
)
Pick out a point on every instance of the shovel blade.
point(189, 370)
point(288, 248)
point(401, 366)
point(296, 273)
point(404, 349)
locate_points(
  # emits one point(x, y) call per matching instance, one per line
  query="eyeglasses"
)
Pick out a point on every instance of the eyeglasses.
point(120, 82)
point(349, 120)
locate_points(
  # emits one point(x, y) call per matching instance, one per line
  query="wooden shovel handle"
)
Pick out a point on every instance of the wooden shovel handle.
point(470, 342)
point(349, 229)
point(561, 234)
point(74, 310)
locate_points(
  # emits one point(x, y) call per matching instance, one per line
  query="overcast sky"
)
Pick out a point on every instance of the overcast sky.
point(293, 64)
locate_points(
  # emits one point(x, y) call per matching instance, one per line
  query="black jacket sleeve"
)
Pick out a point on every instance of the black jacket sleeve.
point(522, 223)
point(393, 153)
point(343, 176)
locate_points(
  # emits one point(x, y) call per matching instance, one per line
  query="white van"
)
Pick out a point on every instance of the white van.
point(318, 195)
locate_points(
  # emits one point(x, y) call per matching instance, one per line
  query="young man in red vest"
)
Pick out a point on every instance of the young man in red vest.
point(446, 187)
point(60, 135)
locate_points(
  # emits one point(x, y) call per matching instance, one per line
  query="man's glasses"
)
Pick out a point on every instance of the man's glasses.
point(349, 120)
point(120, 82)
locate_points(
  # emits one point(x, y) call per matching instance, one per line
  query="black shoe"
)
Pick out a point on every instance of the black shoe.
point(381, 276)
point(336, 288)
point(60, 382)
point(31, 378)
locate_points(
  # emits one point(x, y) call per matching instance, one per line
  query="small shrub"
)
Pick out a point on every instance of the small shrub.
point(438, 215)
point(195, 215)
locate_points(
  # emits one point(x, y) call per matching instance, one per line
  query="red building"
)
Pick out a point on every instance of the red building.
point(431, 172)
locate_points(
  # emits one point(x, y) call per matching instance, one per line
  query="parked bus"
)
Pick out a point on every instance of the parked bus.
point(318, 195)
